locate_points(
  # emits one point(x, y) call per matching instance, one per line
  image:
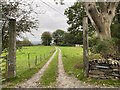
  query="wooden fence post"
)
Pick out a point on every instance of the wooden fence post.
point(29, 60)
point(0, 42)
point(35, 60)
point(85, 46)
point(40, 58)
point(12, 49)
point(44, 56)
point(0, 28)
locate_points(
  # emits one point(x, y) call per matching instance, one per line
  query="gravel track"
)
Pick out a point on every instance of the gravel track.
point(65, 81)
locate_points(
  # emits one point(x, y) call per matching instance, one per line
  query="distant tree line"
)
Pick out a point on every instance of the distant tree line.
point(24, 42)
point(62, 38)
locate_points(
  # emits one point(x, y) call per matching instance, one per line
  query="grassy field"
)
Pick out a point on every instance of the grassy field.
point(50, 75)
point(23, 70)
point(73, 59)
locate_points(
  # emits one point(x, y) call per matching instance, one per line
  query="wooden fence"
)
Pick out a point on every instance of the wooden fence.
point(37, 58)
point(104, 69)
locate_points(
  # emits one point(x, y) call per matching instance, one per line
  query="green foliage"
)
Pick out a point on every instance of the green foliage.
point(93, 56)
point(106, 48)
point(50, 75)
point(75, 15)
point(26, 42)
point(24, 21)
point(71, 39)
point(58, 36)
point(115, 30)
point(63, 38)
point(68, 39)
point(46, 38)
point(93, 41)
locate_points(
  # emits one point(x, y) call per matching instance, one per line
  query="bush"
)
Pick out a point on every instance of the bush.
point(93, 41)
point(106, 48)
point(93, 56)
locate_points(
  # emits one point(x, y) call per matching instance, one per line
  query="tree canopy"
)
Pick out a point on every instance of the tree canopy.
point(61, 38)
point(58, 36)
point(24, 21)
point(46, 38)
point(100, 15)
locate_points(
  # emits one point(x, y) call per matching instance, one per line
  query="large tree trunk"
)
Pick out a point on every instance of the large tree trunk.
point(101, 18)
point(105, 32)
point(12, 49)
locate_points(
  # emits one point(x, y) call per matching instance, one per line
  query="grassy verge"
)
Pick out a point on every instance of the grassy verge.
point(73, 65)
point(23, 71)
point(49, 77)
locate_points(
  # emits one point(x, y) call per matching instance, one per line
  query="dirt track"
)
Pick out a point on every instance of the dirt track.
point(33, 82)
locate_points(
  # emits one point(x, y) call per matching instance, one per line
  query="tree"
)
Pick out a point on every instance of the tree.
point(24, 21)
point(12, 10)
point(75, 15)
point(61, 37)
point(115, 30)
point(46, 38)
point(26, 42)
point(100, 15)
point(58, 36)
point(69, 39)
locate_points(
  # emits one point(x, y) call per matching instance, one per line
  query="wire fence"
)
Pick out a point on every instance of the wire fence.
point(30, 61)
point(37, 59)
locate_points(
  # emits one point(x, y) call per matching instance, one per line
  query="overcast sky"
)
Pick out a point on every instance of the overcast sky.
point(51, 18)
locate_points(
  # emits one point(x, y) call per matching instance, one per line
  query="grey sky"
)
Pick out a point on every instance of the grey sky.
point(51, 19)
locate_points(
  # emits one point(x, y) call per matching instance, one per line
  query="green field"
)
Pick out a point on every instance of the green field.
point(22, 57)
point(23, 70)
point(72, 59)
point(73, 64)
